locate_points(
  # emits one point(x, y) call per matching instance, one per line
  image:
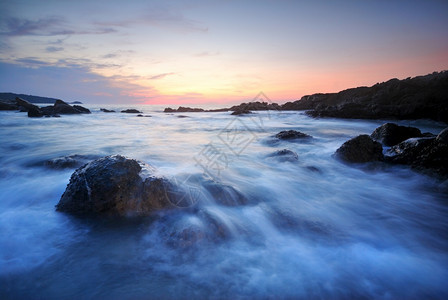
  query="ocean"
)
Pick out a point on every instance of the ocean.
point(312, 228)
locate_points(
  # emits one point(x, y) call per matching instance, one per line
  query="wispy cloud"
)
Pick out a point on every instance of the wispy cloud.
point(160, 16)
point(160, 76)
point(49, 26)
point(206, 54)
point(54, 49)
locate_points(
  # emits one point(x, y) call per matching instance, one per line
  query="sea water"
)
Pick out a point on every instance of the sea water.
point(312, 228)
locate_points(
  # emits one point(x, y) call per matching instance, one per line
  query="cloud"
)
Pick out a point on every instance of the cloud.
point(70, 83)
point(162, 17)
point(53, 49)
point(160, 76)
point(49, 26)
point(206, 54)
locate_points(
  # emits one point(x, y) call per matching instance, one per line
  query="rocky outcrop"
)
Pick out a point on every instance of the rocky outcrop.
point(292, 135)
point(25, 105)
point(183, 109)
point(63, 108)
point(390, 134)
point(360, 149)
point(256, 105)
point(131, 111)
point(116, 185)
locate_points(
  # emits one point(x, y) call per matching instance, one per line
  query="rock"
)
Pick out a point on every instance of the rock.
point(116, 185)
point(292, 134)
point(428, 155)
point(182, 116)
point(256, 105)
point(8, 105)
point(82, 109)
point(360, 149)
point(26, 105)
point(183, 109)
point(241, 112)
point(34, 113)
point(390, 134)
point(443, 136)
point(285, 155)
point(139, 115)
point(224, 194)
point(70, 161)
point(131, 111)
point(63, 108)
point(106, 110)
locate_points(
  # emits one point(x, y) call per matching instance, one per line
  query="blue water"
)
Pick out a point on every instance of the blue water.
point(314, 228)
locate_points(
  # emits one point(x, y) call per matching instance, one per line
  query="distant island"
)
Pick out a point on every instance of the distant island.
point(31, 98)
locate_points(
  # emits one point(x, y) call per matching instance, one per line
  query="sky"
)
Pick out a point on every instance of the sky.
point(214, 52)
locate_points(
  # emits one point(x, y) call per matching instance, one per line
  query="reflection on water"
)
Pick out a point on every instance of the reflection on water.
point(312, 228)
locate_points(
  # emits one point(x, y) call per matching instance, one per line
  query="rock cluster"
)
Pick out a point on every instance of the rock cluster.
point(423, 152)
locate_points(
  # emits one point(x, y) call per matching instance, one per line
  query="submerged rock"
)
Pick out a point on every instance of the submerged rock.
point(285, 155)
point(116, 185)
point(390, 134)
point(360, 149)
point(292, 134)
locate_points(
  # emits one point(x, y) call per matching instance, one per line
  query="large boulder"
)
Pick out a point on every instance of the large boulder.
point(116, 185)
point(390, 134)
point(292, 135)
point(360, 149)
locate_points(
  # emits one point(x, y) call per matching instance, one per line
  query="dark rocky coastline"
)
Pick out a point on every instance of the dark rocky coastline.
point(421, 97)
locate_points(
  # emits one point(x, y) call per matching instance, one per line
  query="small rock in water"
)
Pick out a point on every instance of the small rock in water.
point(107, 110)
point(360, 149)
point(292, 134)
point(285, 155)
point(131, 111)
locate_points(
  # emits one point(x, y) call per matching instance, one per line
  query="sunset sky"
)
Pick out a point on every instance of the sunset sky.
point(198, 52)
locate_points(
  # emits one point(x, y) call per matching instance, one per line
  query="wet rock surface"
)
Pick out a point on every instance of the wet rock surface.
point(131, 111)
point(360, 149)
point(285, 155)
point(390, 134)
point(115, 185)
point(292, 135)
